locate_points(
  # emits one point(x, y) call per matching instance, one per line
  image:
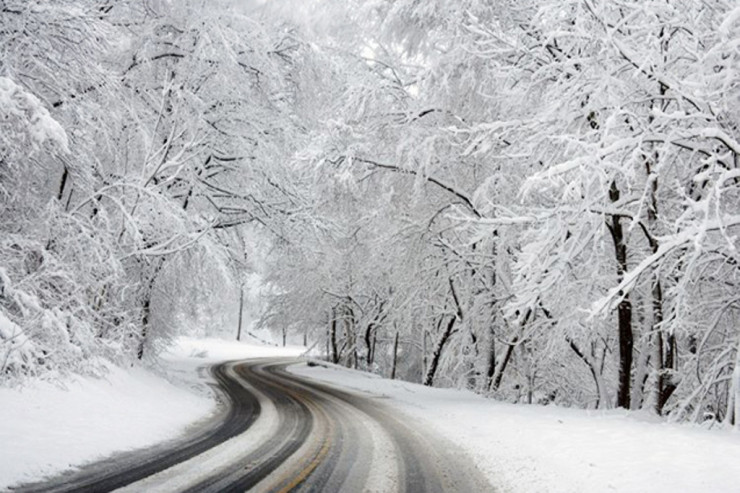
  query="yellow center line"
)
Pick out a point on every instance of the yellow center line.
point(308, 469)
point(292, 479)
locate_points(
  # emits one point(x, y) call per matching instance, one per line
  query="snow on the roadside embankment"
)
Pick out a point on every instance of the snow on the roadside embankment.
point(47, 428)
point(548, 449)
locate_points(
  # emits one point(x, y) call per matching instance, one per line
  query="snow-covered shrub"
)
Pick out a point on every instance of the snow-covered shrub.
point(24, 120)
point(53, 318)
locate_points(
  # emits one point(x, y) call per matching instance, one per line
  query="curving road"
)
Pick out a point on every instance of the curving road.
point(280, 433)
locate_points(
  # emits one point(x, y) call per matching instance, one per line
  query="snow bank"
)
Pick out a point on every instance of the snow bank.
point(45, 429)
point(213, 350)
point(548, 449)
point(52, 428)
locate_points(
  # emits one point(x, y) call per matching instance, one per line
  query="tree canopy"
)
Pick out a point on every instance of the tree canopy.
point(537, 200)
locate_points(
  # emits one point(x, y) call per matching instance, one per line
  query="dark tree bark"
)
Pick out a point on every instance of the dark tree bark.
point(63, 184)
point(504, 363)
point(333, 337)
point(491, 370)
point(146, 310)
point(624, 310)
point(665, 348)
point(499, 372)
point(442, 341)
point(437, 353)
point(395, 356)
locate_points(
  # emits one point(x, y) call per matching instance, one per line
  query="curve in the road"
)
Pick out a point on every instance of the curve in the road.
point(311, 437)
point(241, 409)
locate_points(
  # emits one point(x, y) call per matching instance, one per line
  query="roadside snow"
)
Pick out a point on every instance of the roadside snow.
point(548, 449)
point(214, 350)
point(45, 429)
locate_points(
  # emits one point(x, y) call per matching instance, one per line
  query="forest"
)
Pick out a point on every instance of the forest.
point(538, 200)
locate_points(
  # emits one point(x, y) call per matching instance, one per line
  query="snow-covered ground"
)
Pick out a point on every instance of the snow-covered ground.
point(47, 428)
point(549, 449)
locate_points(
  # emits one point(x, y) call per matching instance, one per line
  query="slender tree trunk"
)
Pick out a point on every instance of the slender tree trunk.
point(374, 345)
point(369, 343)
point(665, 348)
point(395, 356)
point(733, 410)
point(63, 184)
point(327, 350)
point(491, 370)
point(624, 310)
point(666, 353)
point(333, 337)
point(437, 353)
point(499, 374)
point(146, 310)
point(146, 313)
point(491, 365)
point(473, 378)
point(241, 311)
point(424, 358)
point(602, 398)
point(351, 337)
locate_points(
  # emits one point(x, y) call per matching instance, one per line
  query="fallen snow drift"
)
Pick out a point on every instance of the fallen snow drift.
point(548, 449)
point(46, 429)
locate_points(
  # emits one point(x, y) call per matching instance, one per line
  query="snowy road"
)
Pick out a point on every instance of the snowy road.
point(283, 432)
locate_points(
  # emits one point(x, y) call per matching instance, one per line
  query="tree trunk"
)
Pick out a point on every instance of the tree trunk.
point(374, 345)
point(504, 363)
point(624, 310)
point(666, 353)
point(369, 343)
point(499, 372)
point(491, 371)
point(395, 356)
point(63, 184)
point(146, 312)
point(333, 336)
point(351, 337)
point(437, 353)
point(602, 398)
point(734, 400)
point(241, 310)
point(424, 358)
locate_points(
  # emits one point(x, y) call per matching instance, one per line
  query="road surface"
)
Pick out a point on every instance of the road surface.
point(280, 432)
